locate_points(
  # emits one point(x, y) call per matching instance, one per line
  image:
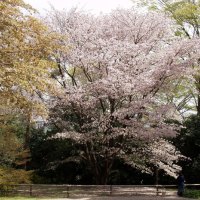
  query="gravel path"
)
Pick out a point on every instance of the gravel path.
point(127, 198)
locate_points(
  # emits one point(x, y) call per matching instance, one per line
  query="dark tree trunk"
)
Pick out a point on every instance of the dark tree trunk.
point(198, 97)
point(28, 132)
point(198, 104)
point(102, 177)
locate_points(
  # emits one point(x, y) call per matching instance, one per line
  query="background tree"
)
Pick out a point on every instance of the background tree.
point(26, 46)
point(189, 143)
point(10, 142)
point(56, 161)
point(186, 15)
point(26, 49)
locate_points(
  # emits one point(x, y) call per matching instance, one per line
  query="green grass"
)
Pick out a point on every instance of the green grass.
point(21, 198)
point(17, 198)
point(195, 194)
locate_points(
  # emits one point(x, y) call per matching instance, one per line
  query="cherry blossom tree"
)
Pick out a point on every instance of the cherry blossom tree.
point(115, 66)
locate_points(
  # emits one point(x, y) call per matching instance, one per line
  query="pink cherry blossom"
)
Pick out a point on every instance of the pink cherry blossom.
point(115, 66)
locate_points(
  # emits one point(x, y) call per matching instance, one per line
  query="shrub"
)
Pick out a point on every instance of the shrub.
point(9, 177)
point(192, 194)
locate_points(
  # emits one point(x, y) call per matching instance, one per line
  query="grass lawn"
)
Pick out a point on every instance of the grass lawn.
point(21, 198)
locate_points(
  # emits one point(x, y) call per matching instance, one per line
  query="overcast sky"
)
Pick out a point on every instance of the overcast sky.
point(94, 6)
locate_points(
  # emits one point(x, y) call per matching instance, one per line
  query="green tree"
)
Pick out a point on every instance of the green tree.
point(56, 161)
point(10, 143)
point(189, 144)
point(25, 48)
point(186, 14)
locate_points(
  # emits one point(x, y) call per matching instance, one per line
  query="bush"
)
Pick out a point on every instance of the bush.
point(9, 177)
point(195, 194)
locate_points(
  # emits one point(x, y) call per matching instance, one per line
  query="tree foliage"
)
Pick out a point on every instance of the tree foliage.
point(189, 144)
point(25, 49)
point(11, 133)
point(186, 14)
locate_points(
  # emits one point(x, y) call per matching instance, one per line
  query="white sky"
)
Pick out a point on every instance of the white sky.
point(94, 6)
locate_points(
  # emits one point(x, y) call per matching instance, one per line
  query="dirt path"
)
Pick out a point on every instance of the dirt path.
point(126, 198)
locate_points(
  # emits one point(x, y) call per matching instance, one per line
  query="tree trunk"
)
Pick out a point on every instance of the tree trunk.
point(102, 177)
point(28, 132)
point(198, 104)
point(198, 96)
